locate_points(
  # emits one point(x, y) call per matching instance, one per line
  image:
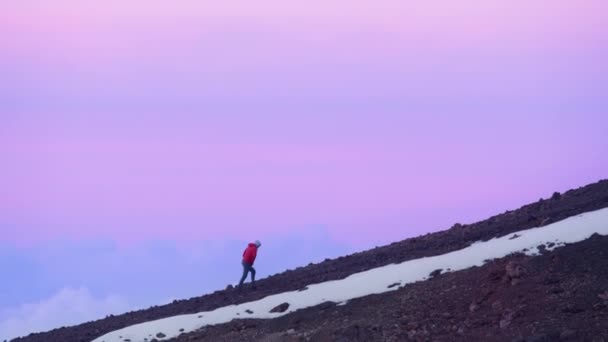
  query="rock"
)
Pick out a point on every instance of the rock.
point(551, 279)
point(515, 236)
point(497, 305)
point(514, 270)
point(412, 326)
point(291, 331)
point(473, 307)
point(229, 287)
point(495, 275)
point(538, 338)
point(568, 333)
point(435, 273)
point(572, 308)
point(280, 308)
point(356, 332)
point(161, 335)
point(507, 318)
point(603, 296)
point(545, 222)
point(326, 305)
point(249, 311)
point(556, 196)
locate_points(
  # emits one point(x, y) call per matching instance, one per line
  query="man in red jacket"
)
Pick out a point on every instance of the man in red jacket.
point(248, 259)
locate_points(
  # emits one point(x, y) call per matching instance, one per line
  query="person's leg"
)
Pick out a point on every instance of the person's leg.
point(252, 274)
point(245, 271)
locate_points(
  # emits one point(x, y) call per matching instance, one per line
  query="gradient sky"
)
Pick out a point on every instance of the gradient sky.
point(140, 138)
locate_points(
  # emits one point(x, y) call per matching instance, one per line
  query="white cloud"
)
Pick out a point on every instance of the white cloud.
point(68, 307)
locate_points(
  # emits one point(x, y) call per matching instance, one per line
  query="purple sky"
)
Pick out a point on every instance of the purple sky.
point(142, 138)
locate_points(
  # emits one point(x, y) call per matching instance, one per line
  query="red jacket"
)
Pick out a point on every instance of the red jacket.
point(250, 253)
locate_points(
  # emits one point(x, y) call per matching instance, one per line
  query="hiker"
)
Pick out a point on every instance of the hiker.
point(248, 258)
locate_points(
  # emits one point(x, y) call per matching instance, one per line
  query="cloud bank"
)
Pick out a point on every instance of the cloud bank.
point(67, 307)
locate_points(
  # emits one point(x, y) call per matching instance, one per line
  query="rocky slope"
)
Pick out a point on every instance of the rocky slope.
point(425, 296)
point(558, 296)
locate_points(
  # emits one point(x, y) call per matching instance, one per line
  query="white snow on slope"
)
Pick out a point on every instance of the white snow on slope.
point(377, 280)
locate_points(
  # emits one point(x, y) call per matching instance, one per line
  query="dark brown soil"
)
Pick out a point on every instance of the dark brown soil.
point(559, 206)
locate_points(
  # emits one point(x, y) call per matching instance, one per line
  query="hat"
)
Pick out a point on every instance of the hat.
point(258, 243)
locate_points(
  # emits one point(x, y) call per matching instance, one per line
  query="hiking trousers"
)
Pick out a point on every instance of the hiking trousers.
point(246, 269)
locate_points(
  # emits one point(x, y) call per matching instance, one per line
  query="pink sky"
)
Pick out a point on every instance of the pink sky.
point(155, 183)
point(132, 119)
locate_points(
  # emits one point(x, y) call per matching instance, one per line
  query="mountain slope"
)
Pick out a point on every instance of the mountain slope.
point(573, 202)
point(559, 296)
point(380, 280)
